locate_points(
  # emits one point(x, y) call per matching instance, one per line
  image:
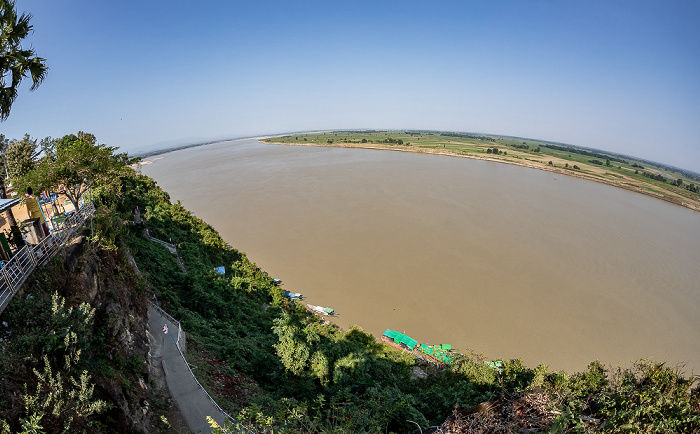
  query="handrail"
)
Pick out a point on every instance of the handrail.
point(165, 243)
point(14, 273)
point(234, 422)
point(169, 318)
point(169, 246)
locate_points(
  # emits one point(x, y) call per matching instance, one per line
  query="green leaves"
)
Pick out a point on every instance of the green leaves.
point(75, 163)
point(16, 63)
point(20, 158)
point(651, 397)
point(291, 349)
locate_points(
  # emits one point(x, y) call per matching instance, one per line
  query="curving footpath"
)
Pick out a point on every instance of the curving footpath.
point(193, 402)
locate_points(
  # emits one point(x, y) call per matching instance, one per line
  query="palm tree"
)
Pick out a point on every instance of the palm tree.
point(16, 63)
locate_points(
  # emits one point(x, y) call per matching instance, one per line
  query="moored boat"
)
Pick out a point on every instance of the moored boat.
point(293, 295)
point(436, 354)
point(327, 311)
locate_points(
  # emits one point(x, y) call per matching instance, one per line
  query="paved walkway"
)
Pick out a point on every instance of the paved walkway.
point(194, 404)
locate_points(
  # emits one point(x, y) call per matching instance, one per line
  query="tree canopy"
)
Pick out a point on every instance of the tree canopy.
point(74, 162)
point(21, 156)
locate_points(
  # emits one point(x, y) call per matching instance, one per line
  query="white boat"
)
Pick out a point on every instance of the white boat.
point(322, 310)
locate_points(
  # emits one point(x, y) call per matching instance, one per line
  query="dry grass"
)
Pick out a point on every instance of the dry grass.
point(526, 412)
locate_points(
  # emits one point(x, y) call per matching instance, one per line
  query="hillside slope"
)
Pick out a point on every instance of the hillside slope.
point(75, 349)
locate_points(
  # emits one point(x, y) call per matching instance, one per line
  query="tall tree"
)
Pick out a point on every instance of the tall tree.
point(21, 157)
point(79, 163)
point(16, 63)
point(48, 147)
point(9, 216)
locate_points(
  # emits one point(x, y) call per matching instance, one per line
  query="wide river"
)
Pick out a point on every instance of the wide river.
point(505, 260)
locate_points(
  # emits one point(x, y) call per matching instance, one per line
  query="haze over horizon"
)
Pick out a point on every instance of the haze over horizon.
point(617, 76)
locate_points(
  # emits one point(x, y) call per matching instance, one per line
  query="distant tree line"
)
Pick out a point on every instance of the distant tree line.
point(687, 173)
point(573, 150)
point(393, 140)
point(655, 176)
point(470, 136)
point(666, 167)
point(495, 151)
point(600, 163)
point(566, 165)
point(690, 187)
point(523, 146)
point(360, 131)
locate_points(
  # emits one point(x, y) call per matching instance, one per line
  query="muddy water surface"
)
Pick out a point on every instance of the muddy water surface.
point(509, 261)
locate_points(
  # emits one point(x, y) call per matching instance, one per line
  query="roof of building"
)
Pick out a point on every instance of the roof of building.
point(6, 204)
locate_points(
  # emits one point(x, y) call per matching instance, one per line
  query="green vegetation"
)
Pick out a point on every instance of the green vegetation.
point(63, 395)
point(73, 344)
point(75, 162)
point(60, 357)
point(264, 357)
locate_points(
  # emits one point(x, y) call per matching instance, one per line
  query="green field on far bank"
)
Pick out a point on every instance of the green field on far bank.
point(665, 182)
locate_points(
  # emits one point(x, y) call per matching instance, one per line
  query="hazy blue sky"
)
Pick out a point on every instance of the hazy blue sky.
point(617, 75)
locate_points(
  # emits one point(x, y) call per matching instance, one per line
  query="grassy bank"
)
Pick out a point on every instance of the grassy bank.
point(671, 184)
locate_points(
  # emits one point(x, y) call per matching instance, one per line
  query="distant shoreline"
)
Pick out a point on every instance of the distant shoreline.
point(561, 171)
point(154, 153)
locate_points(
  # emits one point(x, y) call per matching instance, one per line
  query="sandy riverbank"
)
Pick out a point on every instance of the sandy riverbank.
point(627, 184)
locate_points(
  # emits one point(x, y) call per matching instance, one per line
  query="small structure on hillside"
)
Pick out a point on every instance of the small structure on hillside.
point(5, 251)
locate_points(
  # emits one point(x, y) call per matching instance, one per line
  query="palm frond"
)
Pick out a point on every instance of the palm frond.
point(16, 63)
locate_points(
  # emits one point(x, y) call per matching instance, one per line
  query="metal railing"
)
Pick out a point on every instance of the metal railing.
point(164, 243)
point(15, 272)
point(171, 247)
point(167, 316)
point(234, 423)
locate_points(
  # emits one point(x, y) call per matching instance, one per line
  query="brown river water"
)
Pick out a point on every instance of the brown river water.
point(505, 260)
